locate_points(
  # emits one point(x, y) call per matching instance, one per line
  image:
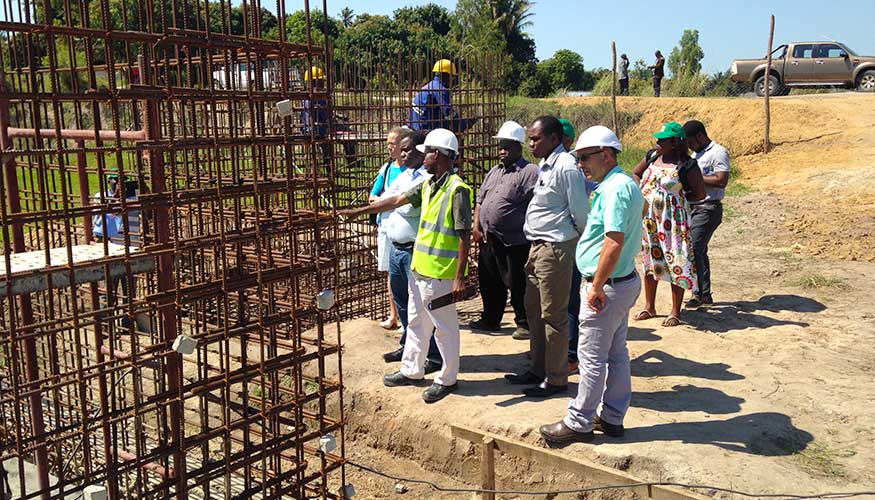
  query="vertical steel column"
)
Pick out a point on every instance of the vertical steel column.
point(32, 367)
point(161, 213)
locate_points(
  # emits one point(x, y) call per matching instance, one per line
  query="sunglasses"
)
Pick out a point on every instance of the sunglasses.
point(586, 156)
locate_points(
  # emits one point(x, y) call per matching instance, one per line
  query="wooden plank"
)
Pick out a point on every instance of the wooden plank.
point(487, 467)
point(597, 473)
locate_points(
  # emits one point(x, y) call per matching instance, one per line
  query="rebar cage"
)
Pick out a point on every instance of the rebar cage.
point(166, 229)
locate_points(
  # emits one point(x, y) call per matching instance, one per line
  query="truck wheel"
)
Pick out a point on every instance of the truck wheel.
point(866, 83)
point(759, 87)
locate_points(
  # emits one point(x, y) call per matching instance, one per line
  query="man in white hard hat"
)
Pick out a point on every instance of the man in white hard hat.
point(499, 215)
point(606, 258)
point(555, 219)
point(438, 267)
point(431, 107)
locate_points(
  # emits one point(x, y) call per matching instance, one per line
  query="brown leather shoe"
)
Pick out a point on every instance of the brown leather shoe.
point(608, 429)
point(559, 433)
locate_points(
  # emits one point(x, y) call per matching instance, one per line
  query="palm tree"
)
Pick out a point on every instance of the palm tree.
point(346, 17)
point(512, 16)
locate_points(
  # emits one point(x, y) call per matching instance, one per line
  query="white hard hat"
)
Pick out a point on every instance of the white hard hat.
point(598, 136)
point(443, 140)
point(513, 131)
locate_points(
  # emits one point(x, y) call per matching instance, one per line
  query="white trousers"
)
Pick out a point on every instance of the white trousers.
point(421, 322)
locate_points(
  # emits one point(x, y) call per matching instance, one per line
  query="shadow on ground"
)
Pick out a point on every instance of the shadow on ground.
point(725, 317)
point(687, 397)
point(655, 363)
point(766, 434)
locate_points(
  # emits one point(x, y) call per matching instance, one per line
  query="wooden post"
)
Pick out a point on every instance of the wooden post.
point(487, 467)
point(614, 86)
point(767, 145)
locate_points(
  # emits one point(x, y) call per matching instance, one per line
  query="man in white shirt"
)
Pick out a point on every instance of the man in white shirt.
point(555, 219)
point(401, 225)
point(713, 160)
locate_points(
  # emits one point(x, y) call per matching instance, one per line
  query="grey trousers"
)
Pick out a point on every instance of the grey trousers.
point(548, 274)
point(605, 376)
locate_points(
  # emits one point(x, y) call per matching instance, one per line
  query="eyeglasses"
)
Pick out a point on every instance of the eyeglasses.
point(581, 157)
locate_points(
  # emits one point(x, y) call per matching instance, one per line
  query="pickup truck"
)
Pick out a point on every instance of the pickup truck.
point(807, 64)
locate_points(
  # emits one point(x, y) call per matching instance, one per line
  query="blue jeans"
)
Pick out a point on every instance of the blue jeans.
point(573, 314)
point(399, 268)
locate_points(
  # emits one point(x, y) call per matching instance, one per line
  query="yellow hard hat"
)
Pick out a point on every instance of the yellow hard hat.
point(445, 66)
point(317, 73)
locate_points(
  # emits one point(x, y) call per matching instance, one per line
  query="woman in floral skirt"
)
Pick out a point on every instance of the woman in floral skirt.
point(670, 180)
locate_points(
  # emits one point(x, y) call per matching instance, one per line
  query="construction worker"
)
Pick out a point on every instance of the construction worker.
point(431, 105)
point(315, 120)
point(439, 264)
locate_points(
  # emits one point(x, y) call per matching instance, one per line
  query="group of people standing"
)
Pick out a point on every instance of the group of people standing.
point(559, 237)
point(658, 69)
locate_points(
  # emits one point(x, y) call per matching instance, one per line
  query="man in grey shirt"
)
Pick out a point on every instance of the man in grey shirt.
point(713, 160)
point(498, 228)
point(624, 75)
point(555, 219)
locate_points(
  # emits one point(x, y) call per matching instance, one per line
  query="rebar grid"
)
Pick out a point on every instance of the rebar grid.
point(223, 214)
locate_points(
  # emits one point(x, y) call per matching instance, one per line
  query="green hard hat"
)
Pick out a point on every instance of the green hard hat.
point(567, 128)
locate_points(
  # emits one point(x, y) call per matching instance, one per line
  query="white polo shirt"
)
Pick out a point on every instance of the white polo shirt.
point(714, 158)
point(402, 224)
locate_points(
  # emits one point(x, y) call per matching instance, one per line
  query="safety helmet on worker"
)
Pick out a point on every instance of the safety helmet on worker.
point(597, 136)
point(443, 140)
point(444, 66)
point(511, 130)
point(315, 72)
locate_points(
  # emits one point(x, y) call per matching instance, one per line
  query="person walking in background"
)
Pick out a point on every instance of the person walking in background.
point(670, 181)
point(432, 106)
point(605, 257)
point(401, 225)
point(713, 160)
point(438, 266)
point(624, 75)
point(658, 72)
point(555, 220)
point(499, 215)
point(385, 177)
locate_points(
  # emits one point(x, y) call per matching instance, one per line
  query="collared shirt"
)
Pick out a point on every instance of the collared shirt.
point(402, 223)
point(386, 176)
point(714, 158)
point(617, 206)
point(559, 206)
point(503, 198)
point(461, 209)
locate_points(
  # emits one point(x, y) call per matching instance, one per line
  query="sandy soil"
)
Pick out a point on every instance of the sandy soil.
point(768, 391)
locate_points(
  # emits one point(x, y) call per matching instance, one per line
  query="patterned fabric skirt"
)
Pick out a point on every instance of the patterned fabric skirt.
point(666, 246)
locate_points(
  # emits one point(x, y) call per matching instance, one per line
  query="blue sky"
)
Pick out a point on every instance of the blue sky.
point(727, 29)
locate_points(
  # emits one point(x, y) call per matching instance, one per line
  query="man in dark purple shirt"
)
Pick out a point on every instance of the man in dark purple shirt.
point(499, 215)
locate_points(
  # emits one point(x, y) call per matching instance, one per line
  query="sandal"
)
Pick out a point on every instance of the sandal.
point(389, 324)
point(671, 320)
point(643, 315)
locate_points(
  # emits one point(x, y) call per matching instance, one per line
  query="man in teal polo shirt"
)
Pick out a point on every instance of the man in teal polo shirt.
point(606, 259)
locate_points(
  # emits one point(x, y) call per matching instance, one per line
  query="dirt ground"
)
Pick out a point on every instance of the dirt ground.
point(769, 391)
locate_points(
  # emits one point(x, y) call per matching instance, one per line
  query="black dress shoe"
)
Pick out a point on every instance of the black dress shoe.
point(608, 429)
point(523, 378)
point(398, 379)
point(391, 357)
point(482, 326)
point(432, 366)
point(559, 433)
point(438, 392)
point(544, 390)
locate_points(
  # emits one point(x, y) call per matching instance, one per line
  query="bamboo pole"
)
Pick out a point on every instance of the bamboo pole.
point(614, 86)
point(767, 145)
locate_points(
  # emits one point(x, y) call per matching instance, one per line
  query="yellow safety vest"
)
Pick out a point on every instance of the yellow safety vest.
point(436, 251)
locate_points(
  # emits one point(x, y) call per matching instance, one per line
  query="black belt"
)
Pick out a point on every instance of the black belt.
point(709, 202)
point(628, 277)
point(403, 246)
